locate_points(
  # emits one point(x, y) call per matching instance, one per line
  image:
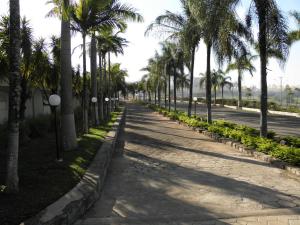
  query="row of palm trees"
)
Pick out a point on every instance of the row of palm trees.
point(100, 20)
point(224, 34)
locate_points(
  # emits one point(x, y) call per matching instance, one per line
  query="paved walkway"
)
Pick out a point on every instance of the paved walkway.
point(172, 175)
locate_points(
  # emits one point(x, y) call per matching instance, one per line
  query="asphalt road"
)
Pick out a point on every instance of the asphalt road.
point(282, 125)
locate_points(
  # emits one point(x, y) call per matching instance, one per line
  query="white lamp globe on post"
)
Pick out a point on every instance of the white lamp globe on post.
point(195, 100)
point(106, 99)
point(54, 101)
point(94, 100)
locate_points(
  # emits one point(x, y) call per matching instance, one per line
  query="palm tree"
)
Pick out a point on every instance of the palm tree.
point(218, 79)
point(12, 178)
point(183, 29)
point(242, 64)
point(222, 32)
point(183, 82)
point(108, 42)
point(225, 81)
point(272, 32)
point(26, 52)
point(118, 81)
point(87, 15)
point(93, 56)
point(68, 129)
point(168, 60)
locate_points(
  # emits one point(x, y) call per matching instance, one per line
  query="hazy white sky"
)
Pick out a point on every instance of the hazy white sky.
point(142, 48)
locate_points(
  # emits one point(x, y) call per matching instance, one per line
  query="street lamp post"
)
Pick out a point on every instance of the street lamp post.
point(94, 101)
point(107, 100)
point(195, 100)
point(54, 101)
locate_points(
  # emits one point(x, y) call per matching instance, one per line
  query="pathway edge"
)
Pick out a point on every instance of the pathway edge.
point(73, 205)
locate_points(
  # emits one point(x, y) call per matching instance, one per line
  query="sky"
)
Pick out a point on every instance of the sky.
point(142, 48)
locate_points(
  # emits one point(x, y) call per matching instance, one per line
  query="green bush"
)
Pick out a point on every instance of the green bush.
point(292, 141)
point(246, 135)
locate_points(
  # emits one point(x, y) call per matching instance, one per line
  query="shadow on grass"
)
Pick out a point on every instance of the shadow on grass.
point(43, 180)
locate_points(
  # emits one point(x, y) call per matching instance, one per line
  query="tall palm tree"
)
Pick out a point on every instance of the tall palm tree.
point(217, 77)
point(225, 81)
point(12, 178)
point(109, 42)
point(68, 129)
point(26, 53)
point(183, 29)
point(87, 15)
point(242, 64)
point(272, 31)
point(94, 86)
point(222, 32)
point(167, 57)
point(183, 82)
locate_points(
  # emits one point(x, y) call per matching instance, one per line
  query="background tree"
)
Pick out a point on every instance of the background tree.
point(242, 64)
point(183, 82)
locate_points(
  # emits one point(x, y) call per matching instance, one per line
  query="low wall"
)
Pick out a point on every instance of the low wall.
point(77, 201)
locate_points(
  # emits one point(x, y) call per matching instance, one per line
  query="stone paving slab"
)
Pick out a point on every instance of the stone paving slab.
point(170, 174)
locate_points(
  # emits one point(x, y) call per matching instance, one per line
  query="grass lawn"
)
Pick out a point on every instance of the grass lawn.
point(42, 179)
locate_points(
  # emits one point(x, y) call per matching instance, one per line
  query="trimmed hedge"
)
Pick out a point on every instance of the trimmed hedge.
point(290, 152)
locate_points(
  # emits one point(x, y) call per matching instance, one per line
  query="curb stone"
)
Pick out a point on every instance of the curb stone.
point(73, 205)
point(250, 152)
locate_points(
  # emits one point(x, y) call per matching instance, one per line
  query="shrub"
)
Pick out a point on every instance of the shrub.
point(292, 141)
point(241, 133)
point(265, 145)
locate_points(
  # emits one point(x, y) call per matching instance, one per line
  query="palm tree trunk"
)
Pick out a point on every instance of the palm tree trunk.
point(166, 86)
point(101, 84)
point(12, 177)
point(263, 61)
point(23, 98)
point(222, 95)
point(169, 92)
point(149, 97)
point(215, 95)
point(105, 89)
point(155, 91)
point(182, 89)
point(95, 114)
point(159, 94)
point(208, 84)
point(240, 103)
point(68, 127)
point(85, 91)
point(109, 85)
point(191, 82)
point(175, 85)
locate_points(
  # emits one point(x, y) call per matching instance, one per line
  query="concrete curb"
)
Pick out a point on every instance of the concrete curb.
point(258, 110)
point(250, 152)
point(76, 202)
